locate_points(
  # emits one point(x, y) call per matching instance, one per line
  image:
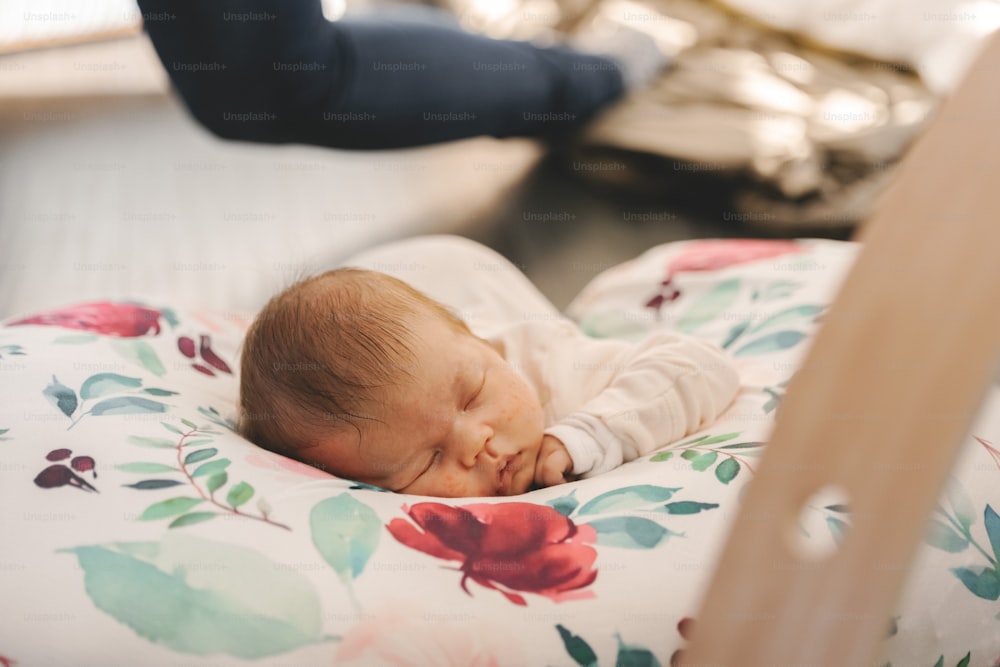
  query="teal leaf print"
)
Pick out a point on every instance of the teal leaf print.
point(838, 528)
point(170, 507)
point(710, 306)
point(153, 484)
point(960, 502)
point(200, 455)
point(564, 504)
point(634, 656)
point(704, 461)
point(964, 662)
point(774, 342)
point(627, 498)
point(945, 537)
point(61, 396)
point(577, 648)
point(346, 533)
point(629, 532)
point(742, 445)
point(3, 431)
point(156, 443)
point(239, 494)
point(127, 405)
point(687, 507)
point(140, 353)
point(198, 441)
point(981, 582)
point(153, 391)
point(216, 481)
point(940, 662)
point(75, 339)
point(173, 429)
point(992, 522)
point(211, 468)
point(662, 456)
point(779, 290)
point(191, 518)
point(103, 384)
point(735, 333)
point(142, 467)
point(201, 597)
point(794, 313)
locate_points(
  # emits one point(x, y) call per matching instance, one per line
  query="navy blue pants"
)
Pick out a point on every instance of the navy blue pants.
point(278, 71)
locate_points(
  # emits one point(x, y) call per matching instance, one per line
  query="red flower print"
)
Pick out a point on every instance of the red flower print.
point(506, 546)
point(111, 319)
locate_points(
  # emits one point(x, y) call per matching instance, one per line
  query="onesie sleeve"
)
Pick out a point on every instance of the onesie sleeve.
point(633, 398)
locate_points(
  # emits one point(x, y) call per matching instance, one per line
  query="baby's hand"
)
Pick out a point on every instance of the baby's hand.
point(553, 464)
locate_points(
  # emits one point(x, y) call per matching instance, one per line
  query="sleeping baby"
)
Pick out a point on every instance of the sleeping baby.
point(434, 367)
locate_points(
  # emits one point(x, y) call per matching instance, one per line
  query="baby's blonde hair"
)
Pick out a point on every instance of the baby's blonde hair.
point(322, 351)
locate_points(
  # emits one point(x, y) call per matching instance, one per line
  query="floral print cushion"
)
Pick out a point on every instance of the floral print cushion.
point(139, 528)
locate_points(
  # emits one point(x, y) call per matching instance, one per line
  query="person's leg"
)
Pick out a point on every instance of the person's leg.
point(278, 71)
point(475, 281)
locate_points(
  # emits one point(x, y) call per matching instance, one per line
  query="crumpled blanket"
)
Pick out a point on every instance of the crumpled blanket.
point(805, 135)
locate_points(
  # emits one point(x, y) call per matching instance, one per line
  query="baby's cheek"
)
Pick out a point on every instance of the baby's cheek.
point(453, 484)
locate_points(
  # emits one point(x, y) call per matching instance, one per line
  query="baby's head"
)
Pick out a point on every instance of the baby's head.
point(359, 374)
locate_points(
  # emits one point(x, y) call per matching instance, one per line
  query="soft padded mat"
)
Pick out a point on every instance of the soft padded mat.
point(138, 528)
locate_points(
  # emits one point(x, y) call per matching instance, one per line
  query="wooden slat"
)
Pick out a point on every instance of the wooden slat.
point(879, 408)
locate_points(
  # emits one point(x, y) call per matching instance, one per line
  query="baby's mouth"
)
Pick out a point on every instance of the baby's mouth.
point(506, 470)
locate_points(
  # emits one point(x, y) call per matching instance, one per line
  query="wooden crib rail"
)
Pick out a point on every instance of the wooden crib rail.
point(879, 408)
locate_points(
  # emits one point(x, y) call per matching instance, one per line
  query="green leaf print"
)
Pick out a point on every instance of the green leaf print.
point(945, 537)
point(74, 339)
point(239, 494)
point(981, 582)
point(140, 353)
point(127, 405)
point(577, 648)
point(346, 533)
point(687, 507)
point(169, 507)
point(103, 384)
point(838, 528)
point(735, 333)
point(61, 396)
point(201, 597)
point(726, 471)
point(629, 532)
point(564, 504)
point(216, 481)
point(192, 518)
point(154, 484)
point(710, 306)
point(156, 443)
point(627, 498)
point(773, 342)
point(143, 467)
point(153, 391)
point(704, 461)
point(634, 656)
point(788, 315)
point(211, 468)
point(200, 455)
point(992, 522)
point(961, 504)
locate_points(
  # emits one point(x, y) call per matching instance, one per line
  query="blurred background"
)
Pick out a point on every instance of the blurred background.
point(776, 119)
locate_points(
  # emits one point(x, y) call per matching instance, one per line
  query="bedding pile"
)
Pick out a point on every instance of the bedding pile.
point(803, 120)
point(139, 527)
